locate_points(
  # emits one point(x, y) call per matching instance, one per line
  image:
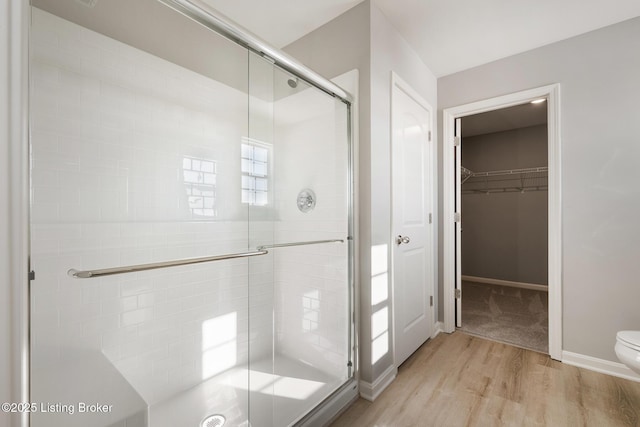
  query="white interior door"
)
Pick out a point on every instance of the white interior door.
point(458, 221)
point(411, 221)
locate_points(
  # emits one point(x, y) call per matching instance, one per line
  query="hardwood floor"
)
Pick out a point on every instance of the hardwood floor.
point(462, 380)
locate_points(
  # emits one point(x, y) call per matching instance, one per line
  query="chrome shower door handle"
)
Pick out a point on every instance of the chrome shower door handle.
point(402, 239)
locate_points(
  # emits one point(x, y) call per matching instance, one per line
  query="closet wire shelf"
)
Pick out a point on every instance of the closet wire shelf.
point(505, 181)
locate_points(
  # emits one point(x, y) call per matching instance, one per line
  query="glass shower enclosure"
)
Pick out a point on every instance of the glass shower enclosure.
point(190, 225)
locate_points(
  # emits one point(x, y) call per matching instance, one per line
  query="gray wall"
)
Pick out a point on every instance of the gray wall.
point(363, 38)
point(389, 53)
point(598, 73)
point(504, 235)
point(196, 48)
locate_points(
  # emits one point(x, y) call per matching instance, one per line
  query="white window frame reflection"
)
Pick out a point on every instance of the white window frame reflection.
point(255, 166)
point(199, 177)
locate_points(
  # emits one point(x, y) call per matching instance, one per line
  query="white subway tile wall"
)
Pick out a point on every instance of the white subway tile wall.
point(312, 294)
point(112, 129)
point(136, 160)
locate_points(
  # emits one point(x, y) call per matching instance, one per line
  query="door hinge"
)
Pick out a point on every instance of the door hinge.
point(456, 217)
point(456, 141)
point(429, 135)
point(32, 275)
point(458, 294)
point(431, 301)
point(349, 364)
point(430, 218)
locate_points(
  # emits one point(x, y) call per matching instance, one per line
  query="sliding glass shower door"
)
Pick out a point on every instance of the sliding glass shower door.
point(295, 181)
point(189, 225)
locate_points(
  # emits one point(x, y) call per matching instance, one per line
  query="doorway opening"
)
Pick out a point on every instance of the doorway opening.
point(452, 202)
point(503, 225)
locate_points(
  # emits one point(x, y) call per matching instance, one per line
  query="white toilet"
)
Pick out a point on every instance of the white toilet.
point(628, 349)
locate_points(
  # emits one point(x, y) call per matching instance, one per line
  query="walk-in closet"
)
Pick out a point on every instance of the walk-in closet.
point(504, 245)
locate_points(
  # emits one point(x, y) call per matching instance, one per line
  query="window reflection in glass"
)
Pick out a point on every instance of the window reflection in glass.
point(200, 184)
point(255, 171)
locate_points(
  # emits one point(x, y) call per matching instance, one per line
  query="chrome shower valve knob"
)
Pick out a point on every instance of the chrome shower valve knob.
point(306, 200)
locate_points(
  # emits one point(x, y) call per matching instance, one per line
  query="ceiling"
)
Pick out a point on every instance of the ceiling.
point(281, 22)
point(449, 36)
point(516, 117)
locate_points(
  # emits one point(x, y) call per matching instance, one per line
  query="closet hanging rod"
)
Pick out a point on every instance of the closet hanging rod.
point(505, 172)
point(90, 274)
point(506, 190)
point(286, 245)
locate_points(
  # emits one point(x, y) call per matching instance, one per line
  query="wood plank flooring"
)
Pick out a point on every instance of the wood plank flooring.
point(462, 380)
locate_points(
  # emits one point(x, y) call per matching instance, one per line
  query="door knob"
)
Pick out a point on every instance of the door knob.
point(402, 239)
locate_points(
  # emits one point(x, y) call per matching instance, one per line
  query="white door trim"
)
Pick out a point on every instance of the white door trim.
point(552, 93)
point(397, 81)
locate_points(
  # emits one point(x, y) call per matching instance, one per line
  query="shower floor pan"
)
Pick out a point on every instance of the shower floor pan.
point(277, 395)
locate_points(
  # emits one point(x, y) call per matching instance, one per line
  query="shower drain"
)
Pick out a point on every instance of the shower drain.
point(213, 421)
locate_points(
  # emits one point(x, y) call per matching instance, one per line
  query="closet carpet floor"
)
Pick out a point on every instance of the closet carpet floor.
point(510, 315)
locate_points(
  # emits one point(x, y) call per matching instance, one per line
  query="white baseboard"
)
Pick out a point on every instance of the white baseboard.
point(523, 285)
point(599, 365)
point(438, 327)
point(371, 391)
